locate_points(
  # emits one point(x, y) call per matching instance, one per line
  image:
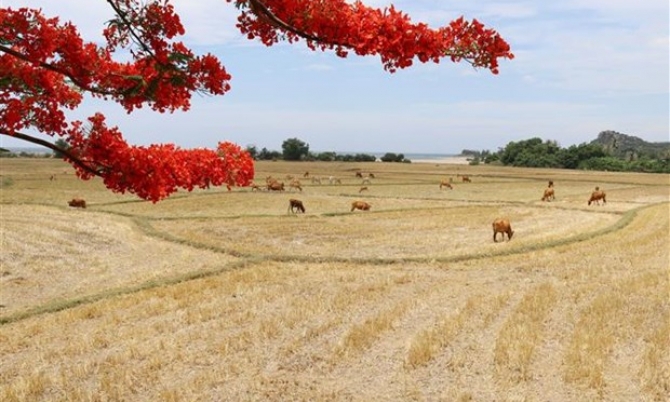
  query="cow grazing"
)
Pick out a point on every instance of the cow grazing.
point(296, 206)
point(466, 179)
point(596, 196)
point(446, 184)
point(362, 205)
point(503, 226)
point(77, 203)
point(371, 175)
point(295, 184)
point(276, 186)
point(548, 194)
point(359, 175)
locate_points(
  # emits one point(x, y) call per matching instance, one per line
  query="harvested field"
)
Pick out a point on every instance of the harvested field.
point(217, 295)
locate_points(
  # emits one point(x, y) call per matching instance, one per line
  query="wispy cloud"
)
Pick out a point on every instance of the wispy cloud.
point(319, 67)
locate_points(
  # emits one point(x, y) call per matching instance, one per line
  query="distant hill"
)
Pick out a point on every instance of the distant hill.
point(630, 147)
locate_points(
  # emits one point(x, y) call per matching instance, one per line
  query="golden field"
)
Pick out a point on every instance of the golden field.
point(225, 296)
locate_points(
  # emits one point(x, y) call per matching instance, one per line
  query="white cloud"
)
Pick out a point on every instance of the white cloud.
point(319, 67)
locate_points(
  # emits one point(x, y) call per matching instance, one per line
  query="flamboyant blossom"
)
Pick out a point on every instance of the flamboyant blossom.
point(45, 67)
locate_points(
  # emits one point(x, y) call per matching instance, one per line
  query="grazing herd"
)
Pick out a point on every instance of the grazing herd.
point(500, 225)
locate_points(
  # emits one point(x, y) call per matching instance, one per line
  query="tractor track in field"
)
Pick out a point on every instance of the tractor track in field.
point(247, 260)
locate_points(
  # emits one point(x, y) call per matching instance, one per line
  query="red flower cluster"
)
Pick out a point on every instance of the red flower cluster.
point(45, 66)
point(156, 171)
point(389, 33)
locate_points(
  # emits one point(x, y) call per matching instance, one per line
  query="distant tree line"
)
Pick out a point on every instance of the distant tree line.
point(535, 152)
point(61, 143)
point(294, 149)
point(6, 153)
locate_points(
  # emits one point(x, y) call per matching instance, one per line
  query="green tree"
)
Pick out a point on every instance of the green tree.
point(294, 149)
point(61, 144)
point(531, 153)
point(391, 157)
point(267, 155)
point(326, 156)
point(572, 157)
point(253, 151)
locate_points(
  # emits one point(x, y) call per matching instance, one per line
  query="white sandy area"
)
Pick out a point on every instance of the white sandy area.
point(450, 160)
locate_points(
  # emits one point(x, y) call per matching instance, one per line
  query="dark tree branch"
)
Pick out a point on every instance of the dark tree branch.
point(258, 7)
point(130, 26)
point(55, 148)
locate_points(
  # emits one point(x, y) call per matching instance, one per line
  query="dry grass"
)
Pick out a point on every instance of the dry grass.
point(521, 333)
point(222, 296)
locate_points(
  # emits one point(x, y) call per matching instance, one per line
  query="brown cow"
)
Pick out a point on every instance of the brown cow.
point(364, 188)
point(551, 183)
point(362, 205)
point(548, 194)
point(597, 195)
point(503, 226)
point(445, 183)
point(295, 206)
point(466, 179)
point(359, 174)
point(295, 184)
point(276, 186)
point(77, 203)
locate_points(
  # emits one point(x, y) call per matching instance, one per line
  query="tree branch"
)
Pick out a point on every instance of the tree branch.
point(55, 148)
point(129, 26)
point(258, 7)
point(261, 10)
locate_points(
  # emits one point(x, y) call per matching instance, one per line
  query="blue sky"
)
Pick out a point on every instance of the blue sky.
point(581, 67)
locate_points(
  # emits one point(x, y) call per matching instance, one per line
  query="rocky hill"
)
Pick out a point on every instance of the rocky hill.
point(631, 147)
